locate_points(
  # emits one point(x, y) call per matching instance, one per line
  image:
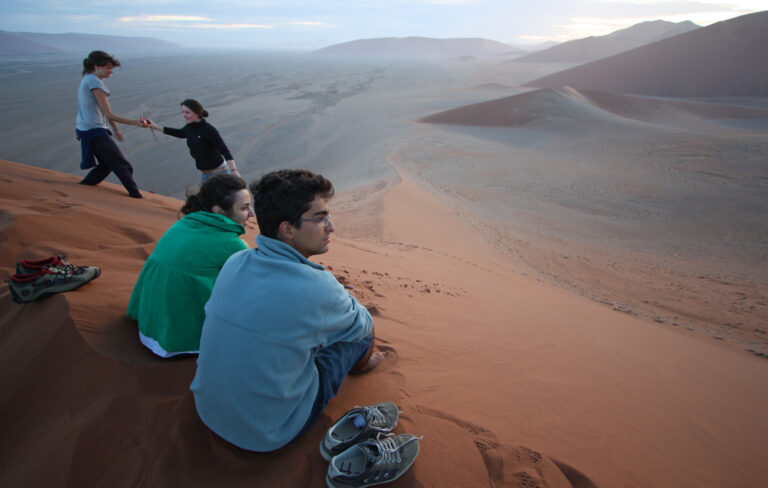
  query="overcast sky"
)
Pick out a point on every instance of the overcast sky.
point(313, 24)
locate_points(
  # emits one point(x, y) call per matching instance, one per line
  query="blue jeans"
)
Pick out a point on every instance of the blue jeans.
point(333, 365)
point(223, 171)
point(111, 160)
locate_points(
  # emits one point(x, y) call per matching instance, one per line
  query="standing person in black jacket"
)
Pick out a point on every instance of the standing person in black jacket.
point(211, 155)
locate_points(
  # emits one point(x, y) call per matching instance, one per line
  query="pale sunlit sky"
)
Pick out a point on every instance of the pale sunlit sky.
point(313, 24)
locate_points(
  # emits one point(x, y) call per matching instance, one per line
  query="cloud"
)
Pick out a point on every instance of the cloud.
point(702, 12)
point(531, 39)
point(164, 18)
point(311, 23)
point(188, 22)
point(231, 26)
point(578, 27)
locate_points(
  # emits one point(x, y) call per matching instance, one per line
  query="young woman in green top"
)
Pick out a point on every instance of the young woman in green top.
point(169, 297)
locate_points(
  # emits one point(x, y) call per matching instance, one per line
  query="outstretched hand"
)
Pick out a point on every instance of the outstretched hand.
point(145, 122)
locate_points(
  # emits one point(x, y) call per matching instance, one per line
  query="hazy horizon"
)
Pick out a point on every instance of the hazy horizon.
point(311, 25)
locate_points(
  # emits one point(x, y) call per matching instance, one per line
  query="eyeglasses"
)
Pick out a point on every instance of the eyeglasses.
point(325, 220)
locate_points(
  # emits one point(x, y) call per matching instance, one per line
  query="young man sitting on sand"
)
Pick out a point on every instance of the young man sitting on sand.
point(281, 333)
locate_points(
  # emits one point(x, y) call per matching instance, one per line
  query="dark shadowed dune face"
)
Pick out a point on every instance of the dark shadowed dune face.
point(544, 106)
point(597, 47)
point(724, 59)
point(531, 109)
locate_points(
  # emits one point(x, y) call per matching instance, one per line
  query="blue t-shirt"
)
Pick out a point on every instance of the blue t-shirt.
point(89, 114)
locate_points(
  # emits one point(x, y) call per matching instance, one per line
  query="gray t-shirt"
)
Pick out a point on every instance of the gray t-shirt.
point(89, 114)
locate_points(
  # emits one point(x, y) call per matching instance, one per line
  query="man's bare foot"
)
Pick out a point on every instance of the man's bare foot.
point(373, 361)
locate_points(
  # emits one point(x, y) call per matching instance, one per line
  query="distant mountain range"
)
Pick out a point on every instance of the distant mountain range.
point(25, 43)
point(598, 47)
point(15, 45)
point(729, 58)
point(576, 51)
point(420, 47)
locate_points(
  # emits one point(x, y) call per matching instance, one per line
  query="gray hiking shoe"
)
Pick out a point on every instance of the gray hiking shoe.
point(358, 424)
point(373, 462)
point(28, 266)
point(27, 288)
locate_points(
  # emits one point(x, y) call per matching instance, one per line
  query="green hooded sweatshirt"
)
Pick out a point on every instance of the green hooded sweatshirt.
point(169, 297)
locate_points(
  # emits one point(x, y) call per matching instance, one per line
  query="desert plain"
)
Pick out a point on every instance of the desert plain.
point(570, 285)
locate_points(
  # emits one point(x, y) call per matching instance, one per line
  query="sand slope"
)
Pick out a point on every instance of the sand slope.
point(598, 47)
point(539, 107)
point(723, 59)
point(512, 383)
point(81, 393)
point(655, 206)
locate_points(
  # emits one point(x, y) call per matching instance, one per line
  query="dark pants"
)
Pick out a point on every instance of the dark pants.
point(333, 365)
point(110, 160)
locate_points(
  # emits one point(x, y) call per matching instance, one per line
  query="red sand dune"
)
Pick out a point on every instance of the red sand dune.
point(724, 59)
point(598, 47)
point(511, 382)
point(539, 106)
point(524, 110)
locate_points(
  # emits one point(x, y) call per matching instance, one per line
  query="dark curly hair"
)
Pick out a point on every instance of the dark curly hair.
point(285, 195)
point(217, 190)
point(98, 58)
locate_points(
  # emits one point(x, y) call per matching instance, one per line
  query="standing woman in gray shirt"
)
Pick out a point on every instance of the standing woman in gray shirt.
point(94, 117)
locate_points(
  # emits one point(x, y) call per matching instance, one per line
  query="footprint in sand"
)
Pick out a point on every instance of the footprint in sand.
point(49, 207)
point(528, 478)
point(369, 286)
point(528, 454)
point(389, 352)
point(373, 309)
point(512, 466)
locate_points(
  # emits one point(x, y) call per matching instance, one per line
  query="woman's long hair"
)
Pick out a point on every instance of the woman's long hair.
point(218, 190)
point(98, 58)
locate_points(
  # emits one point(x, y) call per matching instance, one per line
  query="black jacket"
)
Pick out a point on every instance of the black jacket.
point(204, 142)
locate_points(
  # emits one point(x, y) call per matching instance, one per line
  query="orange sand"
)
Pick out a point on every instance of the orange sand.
point(512, 382)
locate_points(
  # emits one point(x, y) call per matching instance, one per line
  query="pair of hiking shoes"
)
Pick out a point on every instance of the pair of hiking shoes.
point(35, 280)
point(362, 451)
